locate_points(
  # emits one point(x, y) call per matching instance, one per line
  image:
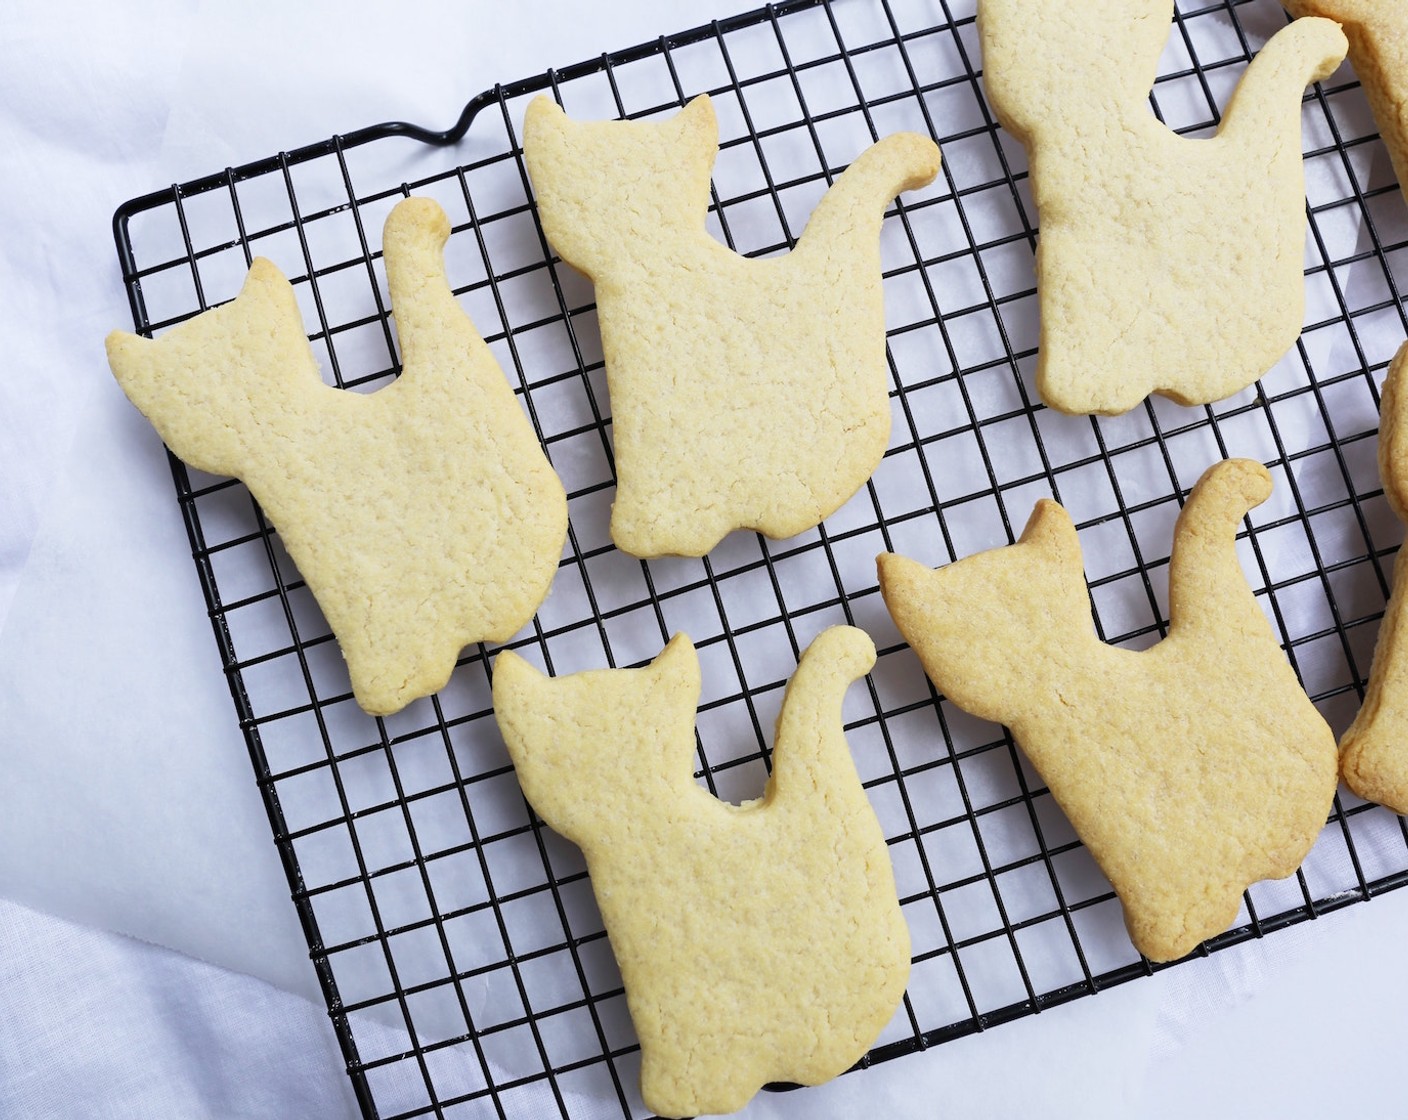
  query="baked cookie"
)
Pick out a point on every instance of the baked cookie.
point(1378, 47)
point(1374, 751)
point(424, 516)
point(760, 942)
point(745, 394)
point(1190, 770)
point(1165, 265)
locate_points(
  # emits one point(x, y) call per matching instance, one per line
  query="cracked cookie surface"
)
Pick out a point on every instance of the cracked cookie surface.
point(1165, 264)
point(745, 394)
point(1190, 769)
point(759, 942)
point(424, 517)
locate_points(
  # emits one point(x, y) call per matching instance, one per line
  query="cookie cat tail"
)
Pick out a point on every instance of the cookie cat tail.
point(810, 753)
point(851, 211)
point(1268, 98)
point(1374, 751)
point(1378, 47)
point(216, 386)
point(413, 245)
point(1208, 592)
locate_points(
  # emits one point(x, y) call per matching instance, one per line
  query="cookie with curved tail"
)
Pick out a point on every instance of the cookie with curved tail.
point(1191, 769)
point(1165, 265)
point(1374, 751)
point(1378, 48)
point(745, 394)
point(760, 942)
point(424, 516)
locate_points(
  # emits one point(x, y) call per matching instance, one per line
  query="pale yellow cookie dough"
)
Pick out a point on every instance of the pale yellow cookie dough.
point(760, 942)
point(1164, 265)
point(424, 516)
point(745, 394)
point(1190, 770)
point(1374, 751)
point(1378, 48)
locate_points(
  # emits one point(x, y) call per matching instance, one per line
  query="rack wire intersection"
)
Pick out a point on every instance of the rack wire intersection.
point(454, 936)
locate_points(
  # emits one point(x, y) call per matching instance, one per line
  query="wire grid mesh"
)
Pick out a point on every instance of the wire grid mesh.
point(463, 959)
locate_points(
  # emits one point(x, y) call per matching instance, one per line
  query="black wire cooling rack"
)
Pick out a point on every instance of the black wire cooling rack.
point(455, 937)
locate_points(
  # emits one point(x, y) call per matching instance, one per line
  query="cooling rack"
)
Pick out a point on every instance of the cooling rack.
point(455, 938)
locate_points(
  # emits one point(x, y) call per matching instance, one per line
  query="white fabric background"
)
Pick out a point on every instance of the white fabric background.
point(126, 802)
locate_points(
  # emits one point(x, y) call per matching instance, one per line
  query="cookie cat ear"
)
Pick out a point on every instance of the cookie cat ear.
point(544, 113)
point(700, 129)
point(510, 670)
point(677, 662)
point(699, 109)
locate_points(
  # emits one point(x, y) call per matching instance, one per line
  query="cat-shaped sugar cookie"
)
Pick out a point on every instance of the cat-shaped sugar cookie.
point(760, 942)
point(424, 516)
point(1378, 48)
point(1191, 769)
point(745, 394)
point(1374, 751)
point(1165, 265)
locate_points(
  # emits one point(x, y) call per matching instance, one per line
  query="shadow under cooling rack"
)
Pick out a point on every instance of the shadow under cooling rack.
point(455, 937)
